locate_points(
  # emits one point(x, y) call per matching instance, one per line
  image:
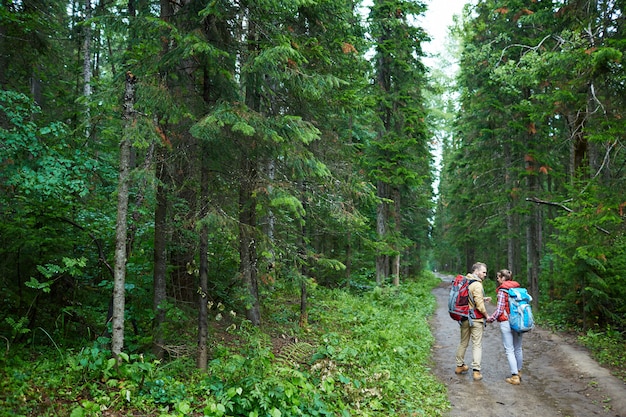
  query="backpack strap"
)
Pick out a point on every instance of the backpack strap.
point(471, 297)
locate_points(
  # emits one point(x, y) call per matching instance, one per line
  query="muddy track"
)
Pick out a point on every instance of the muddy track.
point(560, 379)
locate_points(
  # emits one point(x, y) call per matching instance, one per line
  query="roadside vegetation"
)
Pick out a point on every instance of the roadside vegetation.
point(605, 345)
point(362, 354)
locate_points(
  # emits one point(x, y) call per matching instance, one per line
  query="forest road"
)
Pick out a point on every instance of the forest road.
point(560, 379)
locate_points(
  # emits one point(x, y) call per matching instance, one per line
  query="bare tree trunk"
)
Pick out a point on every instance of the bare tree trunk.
point(119, 296)
point(247, 200)
point(395, 265)
point(384, 79)
point(302, 249)
point(271, 217)
point(247, 243)
point(533, 234)
point(160, 228)
point(512, 252)
point(4, 64)
point(382, 260)
point(203, 325)
point(87, 67)
point(348, 256)
point(533, 245)
point(160, 254)
point(304, 312)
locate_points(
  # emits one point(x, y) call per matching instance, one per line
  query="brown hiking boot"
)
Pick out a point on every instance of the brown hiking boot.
point(514, 380)
point(477, 375)
point(461, 369)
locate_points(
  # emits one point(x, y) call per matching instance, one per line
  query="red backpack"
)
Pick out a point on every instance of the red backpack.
point(458, 301)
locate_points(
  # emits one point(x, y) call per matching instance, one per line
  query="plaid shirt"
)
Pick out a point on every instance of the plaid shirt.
point(501, 306)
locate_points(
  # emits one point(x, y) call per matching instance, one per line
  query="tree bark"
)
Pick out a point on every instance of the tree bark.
point(87, 67)
point(512, 218)
point(203, 325)
point(119, 294)
point(382, 260)
point(160, 225)
point(395, 265)
point(247, 200)
point(160, 254)
point(533, 235)
point(304, 315)
point(247, 243)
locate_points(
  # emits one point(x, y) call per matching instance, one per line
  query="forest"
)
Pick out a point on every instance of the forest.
point(187, 184)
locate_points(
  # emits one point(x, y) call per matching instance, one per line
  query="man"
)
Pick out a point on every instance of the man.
point(473, 328)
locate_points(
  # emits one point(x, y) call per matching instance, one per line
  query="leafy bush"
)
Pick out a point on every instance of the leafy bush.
point(364, 354)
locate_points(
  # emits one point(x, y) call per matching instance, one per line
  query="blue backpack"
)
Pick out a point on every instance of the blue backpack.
point(521, 315)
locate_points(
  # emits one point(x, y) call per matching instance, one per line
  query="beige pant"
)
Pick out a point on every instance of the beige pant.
point(474, 332)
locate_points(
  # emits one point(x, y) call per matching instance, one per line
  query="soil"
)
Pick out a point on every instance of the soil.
point(560, 379)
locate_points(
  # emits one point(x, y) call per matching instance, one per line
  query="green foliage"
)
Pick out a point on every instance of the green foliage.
point(529, 177)
point(379, 346)
point(53, 272)
point(38, 165)
point(591, 278)
point(607, 347)
point(365, 355)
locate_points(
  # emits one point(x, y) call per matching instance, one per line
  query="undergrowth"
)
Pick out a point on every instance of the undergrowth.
point(361, 355)
point(607, 347)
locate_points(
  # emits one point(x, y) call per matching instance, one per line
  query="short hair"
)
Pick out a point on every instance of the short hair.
point(477, 266)
point(505, 273)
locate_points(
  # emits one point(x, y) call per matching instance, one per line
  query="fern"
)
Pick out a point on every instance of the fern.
point(295, 353)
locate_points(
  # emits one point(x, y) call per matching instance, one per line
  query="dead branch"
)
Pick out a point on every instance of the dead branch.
point(563, 207)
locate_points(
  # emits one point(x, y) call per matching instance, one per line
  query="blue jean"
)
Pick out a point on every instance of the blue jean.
point(512, 342)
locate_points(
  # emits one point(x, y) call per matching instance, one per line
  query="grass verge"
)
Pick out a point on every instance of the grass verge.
point(362, 354)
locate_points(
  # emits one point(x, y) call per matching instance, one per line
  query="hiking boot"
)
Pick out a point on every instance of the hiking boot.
point(477, 375)
point(461, 369)
point(514, 380)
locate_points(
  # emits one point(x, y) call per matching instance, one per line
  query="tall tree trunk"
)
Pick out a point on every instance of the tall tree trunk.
point(302, 249)
point(4, 64)
point(348, 261)
point(271, 217)
point(383, 78)
point(203, 325)
point(247, 200)
point(160, 253)
point(247, 243)
point(533, 231)
point(382, 260)
point(511, 246)
point(119, 295)
point(160, 227)
point(579, 147)
point(395, 265)
point(87, 67)
point(533, 244)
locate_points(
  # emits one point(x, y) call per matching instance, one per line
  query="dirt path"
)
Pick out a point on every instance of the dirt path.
point(559, 378)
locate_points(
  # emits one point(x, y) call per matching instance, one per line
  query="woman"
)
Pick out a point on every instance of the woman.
point(511, 340)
